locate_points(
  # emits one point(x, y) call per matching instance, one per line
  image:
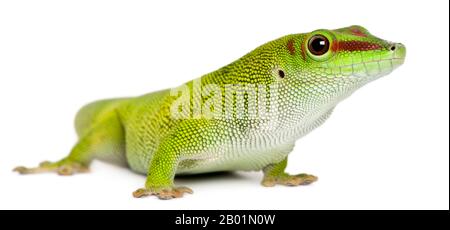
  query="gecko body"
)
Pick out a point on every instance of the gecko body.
point(244, 116)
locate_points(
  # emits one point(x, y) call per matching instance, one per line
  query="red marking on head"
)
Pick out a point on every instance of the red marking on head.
point(290, 47)
point(357, 32)
point(302, 49)
point(355, 46)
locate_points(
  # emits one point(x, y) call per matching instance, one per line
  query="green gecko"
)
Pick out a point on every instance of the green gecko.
point(244, 116)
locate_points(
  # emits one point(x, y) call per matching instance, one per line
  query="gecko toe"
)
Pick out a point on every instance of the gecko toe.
point(163, 194)
point(21, 170)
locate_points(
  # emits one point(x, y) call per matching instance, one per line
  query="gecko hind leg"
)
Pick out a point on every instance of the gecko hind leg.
point(63, 167)
point(78, 160)
point(104, 141)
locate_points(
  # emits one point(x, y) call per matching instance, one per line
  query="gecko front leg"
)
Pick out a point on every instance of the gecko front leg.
point(275, 174)
point(160, 176)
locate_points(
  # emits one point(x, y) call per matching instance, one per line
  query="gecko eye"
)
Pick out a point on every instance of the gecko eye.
point(318, 45)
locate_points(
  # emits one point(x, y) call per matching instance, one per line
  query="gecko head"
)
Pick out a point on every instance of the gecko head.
point(351, 54)
point(317, 70)
point(340, 61)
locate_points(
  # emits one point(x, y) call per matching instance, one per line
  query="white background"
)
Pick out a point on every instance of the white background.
point(386, 147)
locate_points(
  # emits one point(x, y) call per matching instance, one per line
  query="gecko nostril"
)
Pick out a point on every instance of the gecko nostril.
point(393, 47)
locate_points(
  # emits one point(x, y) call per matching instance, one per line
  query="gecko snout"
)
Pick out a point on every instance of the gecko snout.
point(399, 53)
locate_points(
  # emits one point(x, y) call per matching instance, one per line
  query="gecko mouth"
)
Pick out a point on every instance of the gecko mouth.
point(371, 68)
point(378, 68)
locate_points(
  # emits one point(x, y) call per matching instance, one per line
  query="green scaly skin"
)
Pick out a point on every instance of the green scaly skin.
point(143, 134)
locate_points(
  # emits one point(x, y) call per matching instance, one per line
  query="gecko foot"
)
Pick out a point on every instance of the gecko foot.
point(163, 194)
point(63, 168)
point(289, 180)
